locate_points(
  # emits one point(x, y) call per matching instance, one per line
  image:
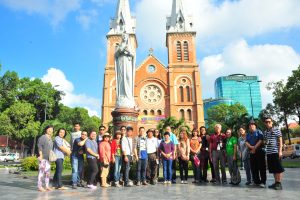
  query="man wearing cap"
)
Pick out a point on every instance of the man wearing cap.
point(254, 141)
point(273, 140)
point(128, 152)
point(105, 158)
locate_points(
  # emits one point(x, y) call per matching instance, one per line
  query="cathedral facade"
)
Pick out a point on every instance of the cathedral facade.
point(161, 90)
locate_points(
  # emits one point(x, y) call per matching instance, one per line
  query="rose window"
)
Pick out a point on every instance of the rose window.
point(151, 94)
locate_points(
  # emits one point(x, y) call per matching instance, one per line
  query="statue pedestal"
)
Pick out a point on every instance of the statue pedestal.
point(125, 117)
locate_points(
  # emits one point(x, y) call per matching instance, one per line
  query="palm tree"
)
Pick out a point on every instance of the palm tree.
point(174, 123)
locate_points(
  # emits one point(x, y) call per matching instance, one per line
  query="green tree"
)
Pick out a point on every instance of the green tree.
point(20, 123)
point(285, 110)
point(174, 123)
point(293, 88)
point(229, 116)
point(8, 89)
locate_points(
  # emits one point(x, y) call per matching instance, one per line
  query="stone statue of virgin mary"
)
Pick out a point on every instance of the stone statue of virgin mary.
point(125, 73)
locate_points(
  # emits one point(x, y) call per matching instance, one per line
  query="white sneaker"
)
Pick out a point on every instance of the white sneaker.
point(262, 185)
point(165, 182)
point(92, 187)
point(169, 182)
point(182, 182)
point(185, 182)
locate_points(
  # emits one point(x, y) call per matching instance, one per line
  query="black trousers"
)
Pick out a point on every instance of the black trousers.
point(258, 167)
point(183, 168)
point(174, 165)
point(93, 170)
point(58, 173)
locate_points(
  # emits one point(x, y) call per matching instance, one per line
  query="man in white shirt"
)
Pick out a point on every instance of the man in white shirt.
point(152, 151)
point(128, 152)
point(76, 134)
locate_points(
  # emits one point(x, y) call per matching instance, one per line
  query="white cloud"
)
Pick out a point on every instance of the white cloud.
point(86, 18)
point(57, 77)
point(269, 62)
point(55, 10)
point(217, 25)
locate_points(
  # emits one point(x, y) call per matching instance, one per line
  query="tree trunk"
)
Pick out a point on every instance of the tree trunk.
point(33, 146)
point(287, 128)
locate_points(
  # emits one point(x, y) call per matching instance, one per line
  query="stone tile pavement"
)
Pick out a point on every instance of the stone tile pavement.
point(15, 187)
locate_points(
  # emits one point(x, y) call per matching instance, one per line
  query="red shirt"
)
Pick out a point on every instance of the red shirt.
point(216, 139)
point(115, 146)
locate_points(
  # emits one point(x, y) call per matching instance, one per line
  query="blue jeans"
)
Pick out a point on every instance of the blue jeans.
point(77, 167)
point(57, 179)
point(167, 165)
point(247, 169)
point(127, 169)
point(141, 171)
point(118, 165)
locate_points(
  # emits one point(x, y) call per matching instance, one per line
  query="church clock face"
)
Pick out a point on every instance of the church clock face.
point(151, 94)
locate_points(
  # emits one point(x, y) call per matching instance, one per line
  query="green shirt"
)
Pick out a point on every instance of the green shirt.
point(230, 145)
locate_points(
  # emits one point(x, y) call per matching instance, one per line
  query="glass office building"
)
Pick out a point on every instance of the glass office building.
point(238, 87)
point(208, 103)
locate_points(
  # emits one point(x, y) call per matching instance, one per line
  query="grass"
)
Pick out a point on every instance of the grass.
point(289, 164)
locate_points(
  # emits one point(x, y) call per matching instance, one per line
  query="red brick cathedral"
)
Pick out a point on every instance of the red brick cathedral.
point(160, 91)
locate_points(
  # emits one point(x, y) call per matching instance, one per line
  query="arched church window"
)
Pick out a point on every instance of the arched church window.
point(188, 93)
point(186, 51)
point(159, 112)
point(179, 53)
point(181, 94)
point(151, 112)
point(182, 114)
point(189, 113)
point(145, 112)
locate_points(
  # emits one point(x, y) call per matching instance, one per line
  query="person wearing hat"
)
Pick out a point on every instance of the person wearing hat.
point(254, 141)
point(116, 152)
point(105, 158)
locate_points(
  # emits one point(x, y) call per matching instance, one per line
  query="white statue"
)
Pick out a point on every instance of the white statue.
point(125, 73)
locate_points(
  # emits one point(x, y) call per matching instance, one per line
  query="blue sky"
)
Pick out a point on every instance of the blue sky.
point(64, 41)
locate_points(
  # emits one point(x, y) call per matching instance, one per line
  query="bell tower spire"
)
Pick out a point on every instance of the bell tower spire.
point(123, 21)
point(179, 21)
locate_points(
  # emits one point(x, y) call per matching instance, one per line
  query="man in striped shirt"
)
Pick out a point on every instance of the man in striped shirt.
point(273, 140)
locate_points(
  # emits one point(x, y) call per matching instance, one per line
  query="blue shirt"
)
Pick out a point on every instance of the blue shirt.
point(253, 138)
point(91, 144)
point(173, 138)
point(58, 142)
point(77, 148)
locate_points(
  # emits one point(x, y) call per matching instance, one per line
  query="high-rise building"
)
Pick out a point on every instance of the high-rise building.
point(160, 90)
point(242, 89)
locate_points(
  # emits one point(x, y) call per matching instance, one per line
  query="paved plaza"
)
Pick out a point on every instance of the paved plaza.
point(16, 187)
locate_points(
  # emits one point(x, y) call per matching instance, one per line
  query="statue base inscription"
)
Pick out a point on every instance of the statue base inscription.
point(125, 117)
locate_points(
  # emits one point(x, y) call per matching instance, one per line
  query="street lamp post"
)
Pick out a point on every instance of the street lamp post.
point(45, 117)
point(250, 90)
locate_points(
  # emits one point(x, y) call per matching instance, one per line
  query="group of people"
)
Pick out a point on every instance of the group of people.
point(110, 158)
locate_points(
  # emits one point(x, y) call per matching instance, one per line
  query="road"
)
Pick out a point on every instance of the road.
point(13, 186)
